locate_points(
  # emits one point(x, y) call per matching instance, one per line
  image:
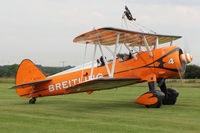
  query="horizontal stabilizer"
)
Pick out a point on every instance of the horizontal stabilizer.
point(32, 83)
point(103, 84)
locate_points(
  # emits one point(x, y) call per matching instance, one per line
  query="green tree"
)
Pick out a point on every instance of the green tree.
point(3, 72)
point(12, 70)
point(192, 72)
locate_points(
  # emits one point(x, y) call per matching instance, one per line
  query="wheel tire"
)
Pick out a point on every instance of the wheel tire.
point(32, 100)
point(157, 105)
point(160, 95)
point(170, 97)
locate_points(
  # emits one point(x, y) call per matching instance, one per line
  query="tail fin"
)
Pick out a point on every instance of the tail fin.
point(27, 76)
point(28, 72)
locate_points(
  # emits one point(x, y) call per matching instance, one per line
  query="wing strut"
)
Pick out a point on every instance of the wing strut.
point(83, 62)
point(106, 63)
point(93, 58)
point(130, 51)
point(157, 42)
point(147, 46)
point(114, 57)
point(171, 42)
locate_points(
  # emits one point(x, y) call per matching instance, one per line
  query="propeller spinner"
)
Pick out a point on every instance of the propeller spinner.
point(186, 58)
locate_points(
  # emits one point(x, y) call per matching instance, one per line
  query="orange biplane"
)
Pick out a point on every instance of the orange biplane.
point(152, 65)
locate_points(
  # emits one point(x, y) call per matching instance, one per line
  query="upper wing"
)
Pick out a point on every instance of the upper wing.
point(103, 83)
point(107, 36)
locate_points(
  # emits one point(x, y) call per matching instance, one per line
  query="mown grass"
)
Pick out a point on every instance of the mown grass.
point(111, 111)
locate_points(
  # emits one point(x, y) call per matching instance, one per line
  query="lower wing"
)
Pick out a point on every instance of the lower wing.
point(103, 84)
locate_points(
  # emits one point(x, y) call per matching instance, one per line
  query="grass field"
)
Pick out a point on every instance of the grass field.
point(111, 111)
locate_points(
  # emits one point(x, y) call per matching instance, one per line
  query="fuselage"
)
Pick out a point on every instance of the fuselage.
point(165, 63)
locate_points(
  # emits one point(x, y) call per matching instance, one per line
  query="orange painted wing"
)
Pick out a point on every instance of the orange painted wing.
point(103, 84)
point(107, 36)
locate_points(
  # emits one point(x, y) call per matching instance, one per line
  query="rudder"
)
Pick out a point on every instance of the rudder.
point(26, 73)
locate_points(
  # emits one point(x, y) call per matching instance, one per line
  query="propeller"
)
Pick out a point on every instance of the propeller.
point(185, 58)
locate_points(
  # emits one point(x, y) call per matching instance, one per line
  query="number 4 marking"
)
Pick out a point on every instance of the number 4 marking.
point(171, 61)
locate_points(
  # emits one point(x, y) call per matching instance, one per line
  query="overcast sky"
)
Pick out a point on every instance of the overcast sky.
point(43, 30)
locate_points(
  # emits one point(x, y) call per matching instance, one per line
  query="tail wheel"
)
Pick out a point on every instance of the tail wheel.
point(170, 97)
point(32, 100)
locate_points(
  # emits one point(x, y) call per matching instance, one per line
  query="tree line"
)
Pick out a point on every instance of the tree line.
point(192, 71)
point(11, 70)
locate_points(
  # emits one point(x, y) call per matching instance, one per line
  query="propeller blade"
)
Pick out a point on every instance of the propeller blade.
point(184, 59)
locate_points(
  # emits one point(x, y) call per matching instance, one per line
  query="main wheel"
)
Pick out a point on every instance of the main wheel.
point(32, 100)
point(170, 97)
point(157, 105)
point(160, 96)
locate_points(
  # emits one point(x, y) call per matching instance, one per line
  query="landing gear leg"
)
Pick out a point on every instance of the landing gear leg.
point(170, 93)
point(32, 100)
point(162, 85)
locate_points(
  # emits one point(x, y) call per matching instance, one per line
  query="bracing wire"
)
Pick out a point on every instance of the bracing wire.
point(83, 62)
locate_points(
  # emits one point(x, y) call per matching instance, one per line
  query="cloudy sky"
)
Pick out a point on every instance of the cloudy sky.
point(43, 30)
